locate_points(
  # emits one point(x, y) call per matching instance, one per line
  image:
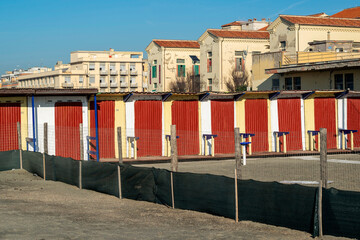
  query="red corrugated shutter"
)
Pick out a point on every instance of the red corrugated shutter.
point(256, 121)
point(106, 125)
point(353, 119)
point(10, 114)
point(325, 117)
point(68, 116)
point(186, 118)
point(222, 124)
point(289, 112)
point(148, 127)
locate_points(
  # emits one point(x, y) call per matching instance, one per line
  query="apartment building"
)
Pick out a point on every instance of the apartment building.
point(10, 79)
point(309, 52)
point(170, 60)
point(228, 50)
point(108, 71)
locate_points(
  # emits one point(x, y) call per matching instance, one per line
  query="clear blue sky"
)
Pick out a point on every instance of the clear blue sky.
point(41, 32)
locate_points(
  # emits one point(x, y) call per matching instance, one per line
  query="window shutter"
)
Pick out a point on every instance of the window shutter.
point(207, 65)
point(178, 71)
point(242, 64)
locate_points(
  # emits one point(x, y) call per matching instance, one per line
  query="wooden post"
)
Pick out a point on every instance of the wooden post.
point(44, 167)
point(237, 152)
point(119, 181)
point(81, 141)
point(174, 152)
point(119, 145)
point(168, 147)
point(277, 143)
point(135, 148)
point(212, 146)
point(45, 138)
point(80, 174)
point(172, 189)
point(310, 141)
point(20, 145)
point(320, 210)
point(319, 145)
point(250, 148)
point(352, 141)
point(129, 147)
point(236, 199)
point(284, 143)
point(323, 156)
point(206, 146)
point(343, 140)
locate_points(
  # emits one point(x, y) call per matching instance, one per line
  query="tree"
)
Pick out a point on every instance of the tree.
point(190, 83)
point(238, 82)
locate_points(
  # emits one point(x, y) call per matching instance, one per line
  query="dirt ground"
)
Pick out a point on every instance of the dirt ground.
point(31, 208)
point(343, 169)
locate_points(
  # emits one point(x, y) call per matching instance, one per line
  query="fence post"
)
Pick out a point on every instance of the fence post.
point(120, 160)
point(236, 198)
point(237, 152)
point(320, 210)
point(81, 141)
point(174, 152)
point(45, 148)
point(323, 157)
point(20, 145)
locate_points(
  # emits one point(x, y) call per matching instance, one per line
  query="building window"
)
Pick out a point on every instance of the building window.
point(283, 46)
point(92, 79)
point(81, 79)
point(155, 85)
point(181, 71)
point(67, 79)
point(209, 62)
point(180, 60)
point(275, 84)
point(153, 72)
point(239, 64)
point(122, 79)
point(297, 83)
point(132, 67)
point(132, 80)
point(135, 56)
point(339, 81)
point(196, 70)
point(210, 84)
point(91, 66)
point(349, 81)
point(112, 67)
point(256, 52)
point(288, 84)
point(339, 50)
point(112, 80)
point(102, 67)
point(102, 80)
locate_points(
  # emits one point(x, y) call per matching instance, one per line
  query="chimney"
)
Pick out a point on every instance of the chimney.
point(254, 19)
point(249, 20)
point(263, 19)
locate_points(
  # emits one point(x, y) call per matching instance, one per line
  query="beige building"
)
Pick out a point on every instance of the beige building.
point(308, 52)
point(170, 60)
point(10, 79)
point(109, 71)
point(223, 51)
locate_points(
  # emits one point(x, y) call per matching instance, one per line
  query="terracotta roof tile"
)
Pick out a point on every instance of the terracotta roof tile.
point(322, 21)
point(177, 43)
point(235, 23)
point(318, 15)
point(348, 13)
point(239, 34)
point(263, 29)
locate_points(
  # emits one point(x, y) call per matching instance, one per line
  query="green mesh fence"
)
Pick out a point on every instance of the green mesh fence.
point(291, 206)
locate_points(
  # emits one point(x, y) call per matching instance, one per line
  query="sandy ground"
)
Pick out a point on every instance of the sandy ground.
point(343, 169)
point(31, 208)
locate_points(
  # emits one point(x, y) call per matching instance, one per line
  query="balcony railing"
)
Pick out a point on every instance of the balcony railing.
point(67, 85)
point(104, 85)
point(123, 72)
point(113, 72)
point(104, 72)
point(114, 85)
point(133, 72)
point(134, 85)
point(124, 84)
point(313, 57)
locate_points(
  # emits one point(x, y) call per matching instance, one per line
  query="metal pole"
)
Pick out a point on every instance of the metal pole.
point(96, 129)
point(237, 152)
point(20, 144)
point(81, 141)
point(45, 138)
point(33, 122)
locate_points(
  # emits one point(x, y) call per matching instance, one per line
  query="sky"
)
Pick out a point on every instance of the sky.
point(42, 32)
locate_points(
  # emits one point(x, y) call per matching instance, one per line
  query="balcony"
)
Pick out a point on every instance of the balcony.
point(67, 85)
point(133, 72)
point(315, 57)
point(114, 85)
point(134, 85)
point(104, 85)
point(113, 72)
point(104, 72)
point(124, 84)
point(123, 72)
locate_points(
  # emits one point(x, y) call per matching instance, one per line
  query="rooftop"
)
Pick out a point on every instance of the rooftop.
point(177, 43)
point(348, 13)
point(322, 21)
point(239, 34)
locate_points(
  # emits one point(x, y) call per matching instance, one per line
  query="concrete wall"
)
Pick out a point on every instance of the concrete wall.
point(260, 62)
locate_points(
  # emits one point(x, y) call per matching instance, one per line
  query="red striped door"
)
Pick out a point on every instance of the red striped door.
point(325, 117)
point(222, 125)
point(106, 125)
point(289, 112)
point(10, 114)
point(68, 116)
point(148, 127)
point(256, 121)
point(353, 119)
point(185, 116)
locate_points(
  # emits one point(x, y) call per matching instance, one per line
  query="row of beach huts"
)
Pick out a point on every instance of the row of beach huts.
point(274, 121)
